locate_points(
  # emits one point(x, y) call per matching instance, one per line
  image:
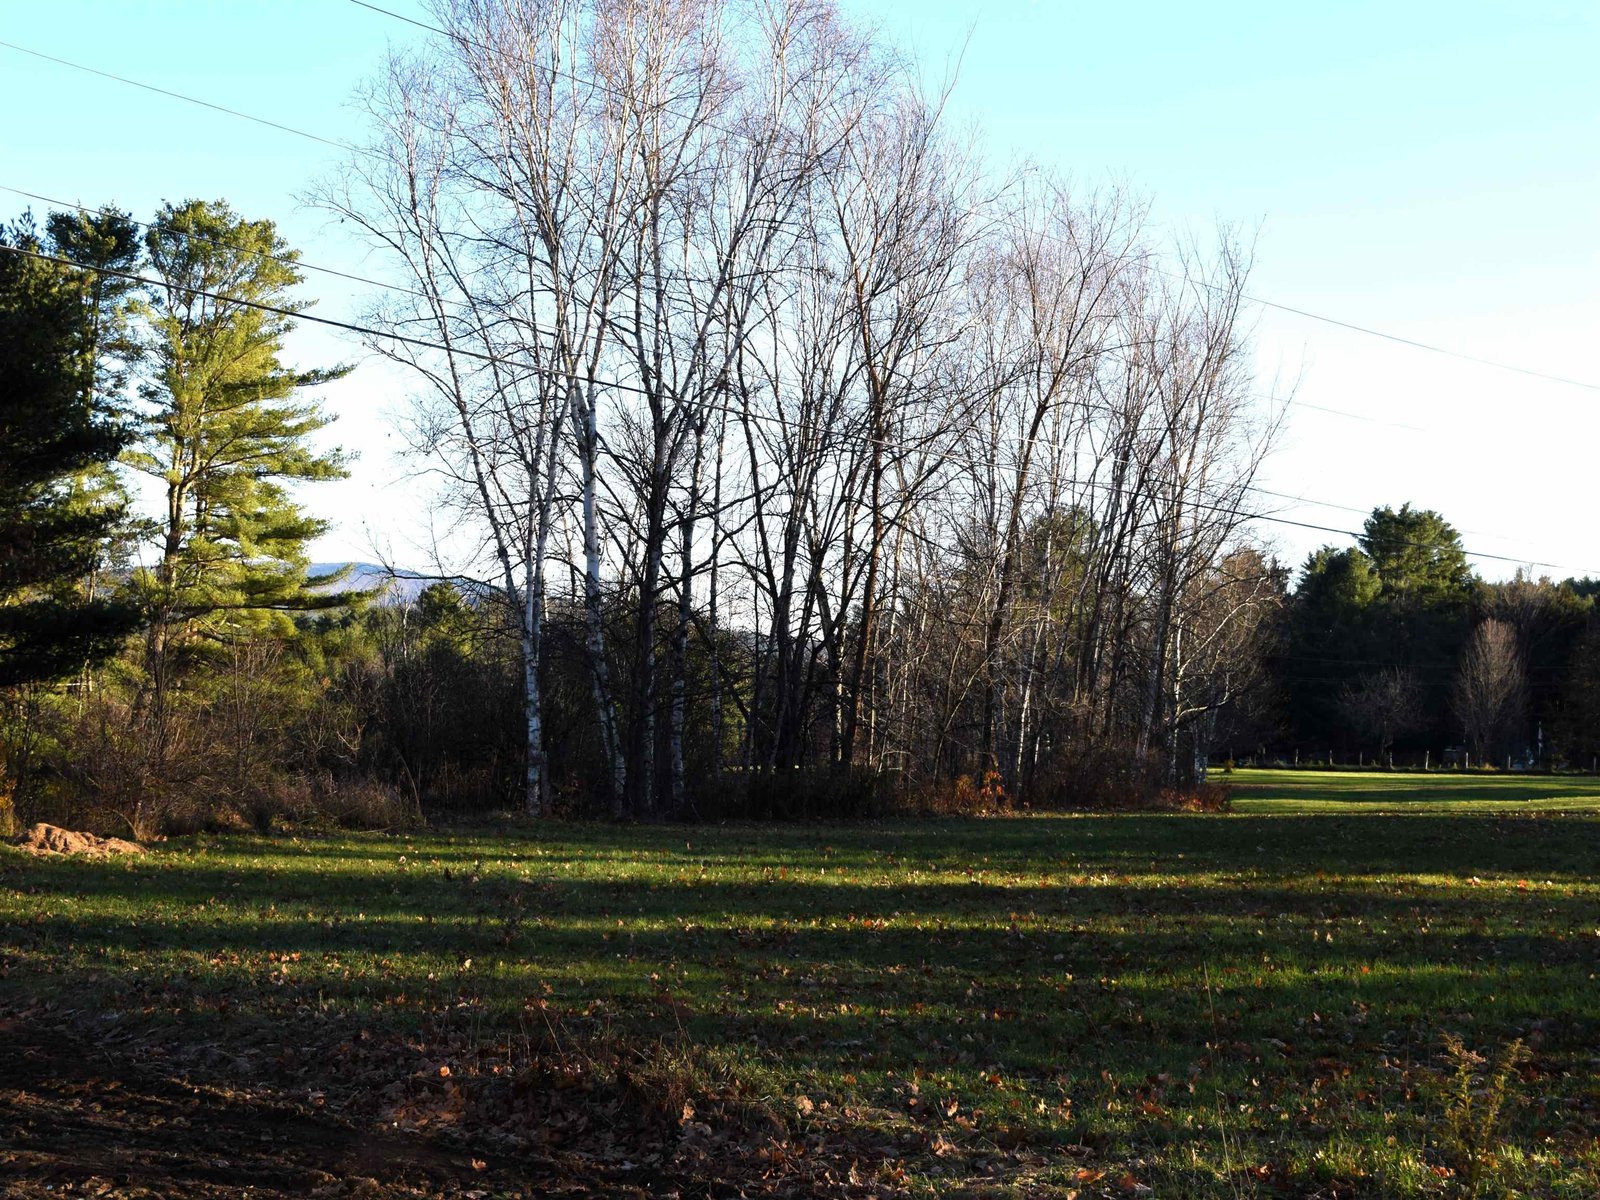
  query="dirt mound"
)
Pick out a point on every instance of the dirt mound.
point(52, 839)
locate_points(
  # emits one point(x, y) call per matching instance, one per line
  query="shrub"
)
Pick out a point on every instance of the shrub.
point(117, 772)
point(1475, 1091)
point(1201, 798)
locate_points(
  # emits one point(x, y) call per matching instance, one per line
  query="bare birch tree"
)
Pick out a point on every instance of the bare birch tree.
point(852, 466)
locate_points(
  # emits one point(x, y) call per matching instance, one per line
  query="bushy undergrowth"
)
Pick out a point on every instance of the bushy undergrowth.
point(359, 719)
point(373, 719)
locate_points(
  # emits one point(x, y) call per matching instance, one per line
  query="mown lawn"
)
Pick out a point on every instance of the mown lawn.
point(1269, 791)
point(1252, 1004)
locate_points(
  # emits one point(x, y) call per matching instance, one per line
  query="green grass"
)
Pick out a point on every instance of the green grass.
point(1268, 791)
point(1240, 1005)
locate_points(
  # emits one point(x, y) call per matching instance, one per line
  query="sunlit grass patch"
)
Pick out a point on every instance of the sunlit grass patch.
point(1290, 791)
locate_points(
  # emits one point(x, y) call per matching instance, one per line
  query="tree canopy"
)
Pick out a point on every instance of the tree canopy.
point(1417, 555)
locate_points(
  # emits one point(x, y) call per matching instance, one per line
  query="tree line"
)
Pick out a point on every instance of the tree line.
point(810, 465)
point(1394, 650)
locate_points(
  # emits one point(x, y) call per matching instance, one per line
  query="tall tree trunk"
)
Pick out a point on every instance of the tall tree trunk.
point(594, 610)
point(680, 636)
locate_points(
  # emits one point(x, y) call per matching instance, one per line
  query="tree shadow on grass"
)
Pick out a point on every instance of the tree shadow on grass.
point(1177, 949)
point(1026, 965)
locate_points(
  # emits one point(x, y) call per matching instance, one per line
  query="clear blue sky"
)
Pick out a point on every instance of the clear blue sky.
point(1428, 169)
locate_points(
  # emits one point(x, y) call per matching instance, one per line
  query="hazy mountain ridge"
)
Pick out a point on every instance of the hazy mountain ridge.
point(390, 585)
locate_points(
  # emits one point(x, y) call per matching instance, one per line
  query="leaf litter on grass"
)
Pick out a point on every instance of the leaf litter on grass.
point(1040, 994)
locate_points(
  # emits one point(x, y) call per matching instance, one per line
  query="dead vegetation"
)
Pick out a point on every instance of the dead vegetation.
point(52, 839)
point(325, 1109)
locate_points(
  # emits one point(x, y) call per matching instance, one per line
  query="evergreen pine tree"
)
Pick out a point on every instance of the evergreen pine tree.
point(106, 247)
point(229, 431)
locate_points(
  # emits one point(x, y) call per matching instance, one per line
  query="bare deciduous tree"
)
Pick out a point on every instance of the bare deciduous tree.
point(1488, 692)
point(1383, 705)
point(712, 318)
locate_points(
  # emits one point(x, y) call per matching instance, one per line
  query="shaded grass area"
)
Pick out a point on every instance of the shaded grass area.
point(1282, 791)
point(1203, 1006)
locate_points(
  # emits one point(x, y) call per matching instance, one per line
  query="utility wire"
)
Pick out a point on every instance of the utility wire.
point(424, 343)
point(293, 261)
point(1258, 300)
point(297, 262)
point(617, 385)
point(346, 146)
point(945, 457)
point(1350, 416)
point(161, 91)
point(1414, 344)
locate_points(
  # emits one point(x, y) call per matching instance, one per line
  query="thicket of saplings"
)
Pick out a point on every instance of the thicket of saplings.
point(356, 717)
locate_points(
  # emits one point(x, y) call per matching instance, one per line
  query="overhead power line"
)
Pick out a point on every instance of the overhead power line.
point(161, 91)
point(1416, 345)
point(296, 262)
point(1352, 326)
point(288, 260)
point(617, 385)
point(425, 343)
point(1339, 412)
point(1258, 300)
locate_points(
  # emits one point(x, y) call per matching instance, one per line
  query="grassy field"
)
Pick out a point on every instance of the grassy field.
point(1253, 1004)
point(1264, 791)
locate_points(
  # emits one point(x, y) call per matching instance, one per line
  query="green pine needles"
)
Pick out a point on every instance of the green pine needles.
point(228, 431)
point(59, 505)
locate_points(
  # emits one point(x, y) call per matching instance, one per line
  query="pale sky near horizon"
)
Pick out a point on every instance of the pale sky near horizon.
point(1431, 170)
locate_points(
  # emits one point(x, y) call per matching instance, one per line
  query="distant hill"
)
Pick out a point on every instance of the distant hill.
point(391, 585)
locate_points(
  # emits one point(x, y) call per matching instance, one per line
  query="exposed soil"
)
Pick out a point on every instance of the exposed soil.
point(91, 1111)
point(52, 839)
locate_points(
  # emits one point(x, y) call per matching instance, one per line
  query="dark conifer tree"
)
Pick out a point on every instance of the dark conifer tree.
point(56, 429)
